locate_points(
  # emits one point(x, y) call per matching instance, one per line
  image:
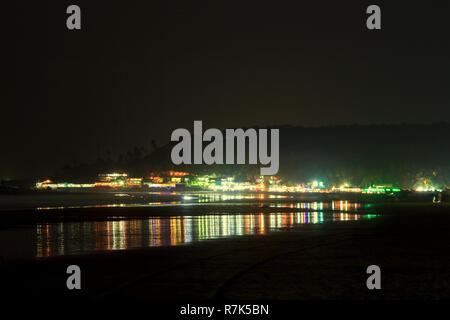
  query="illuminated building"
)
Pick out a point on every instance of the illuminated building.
point(177, 173)
point(346, 188)
point(48, 184)
point(134, 182)
point(382, 189)
point(111, 180)
point(184, 180)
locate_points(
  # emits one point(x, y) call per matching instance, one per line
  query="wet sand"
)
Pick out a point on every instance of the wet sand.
point(410, 243)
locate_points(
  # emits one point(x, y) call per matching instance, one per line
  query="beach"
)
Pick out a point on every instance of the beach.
point(298, 261)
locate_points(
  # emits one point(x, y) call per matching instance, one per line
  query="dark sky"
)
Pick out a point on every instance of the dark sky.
point(140, 69)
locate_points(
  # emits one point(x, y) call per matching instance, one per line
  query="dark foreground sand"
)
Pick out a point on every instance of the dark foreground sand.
point(410, 242)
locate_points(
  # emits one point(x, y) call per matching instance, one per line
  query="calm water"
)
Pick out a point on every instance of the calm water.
point(69, 238)
point(44, 201)
point(46, 240)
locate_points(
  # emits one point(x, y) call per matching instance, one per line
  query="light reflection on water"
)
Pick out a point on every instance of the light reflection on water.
point(199, 199)
point(88, 236)
point(136, 200)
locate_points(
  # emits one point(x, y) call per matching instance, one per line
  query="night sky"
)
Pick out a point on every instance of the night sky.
point(140, 69)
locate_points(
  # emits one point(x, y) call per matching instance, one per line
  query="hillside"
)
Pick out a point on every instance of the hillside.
point(398, 154)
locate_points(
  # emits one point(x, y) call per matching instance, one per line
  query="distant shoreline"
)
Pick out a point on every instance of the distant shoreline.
point(11, 218)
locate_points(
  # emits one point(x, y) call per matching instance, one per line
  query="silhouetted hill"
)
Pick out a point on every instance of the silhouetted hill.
point(357, 154)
